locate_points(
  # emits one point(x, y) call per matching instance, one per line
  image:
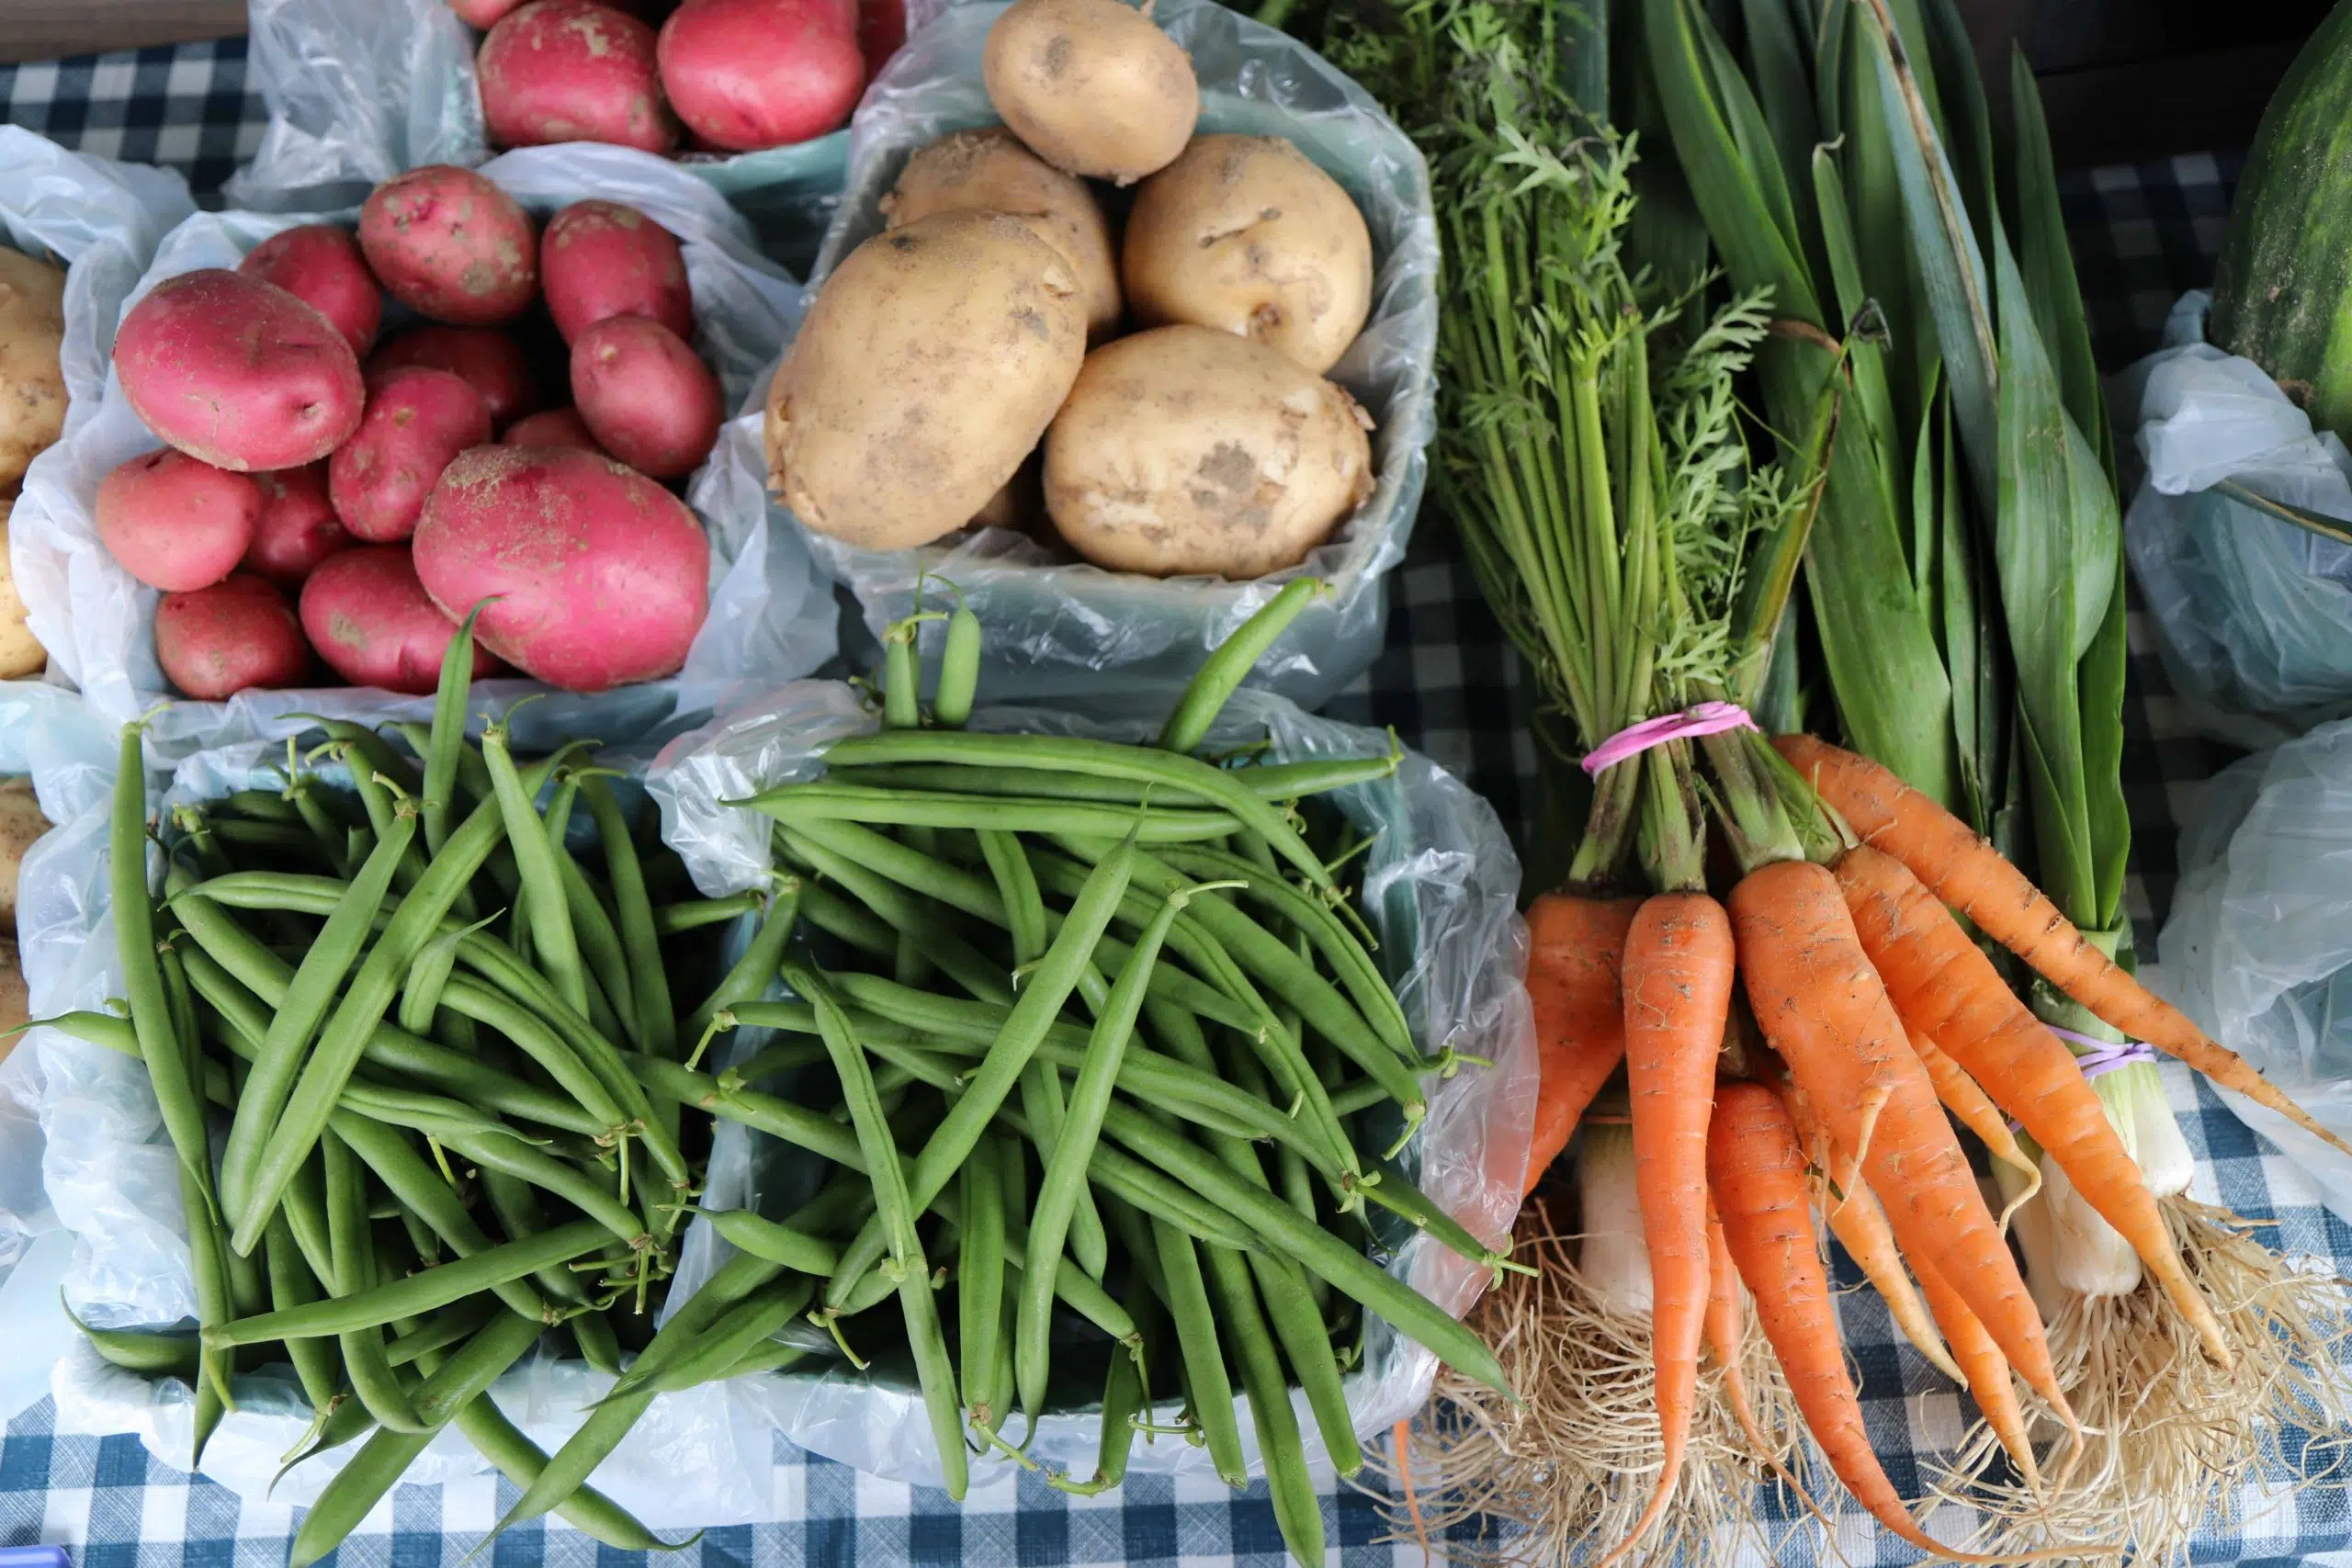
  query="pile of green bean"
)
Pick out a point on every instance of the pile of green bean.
point(1097, 1077)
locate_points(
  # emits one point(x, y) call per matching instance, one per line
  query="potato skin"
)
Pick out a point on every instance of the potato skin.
point(989, 171)
point(418, 419)
point(644, 396)
point(931, 361)
point(20, 651)
point(321, 265)
point(21, 824)
point(1093, 86)
point(370, 618)
point(600, 258)
point(297, 528)
point(450, 244)
point(173, 522)
point(745, 74)
point(241, 632)
point(32, 388)
point(572, 71)
point(1184, 450)
point(490, 361)
point(551, 427)
point(1245, 234)
point(238, 372)
point(604, 576)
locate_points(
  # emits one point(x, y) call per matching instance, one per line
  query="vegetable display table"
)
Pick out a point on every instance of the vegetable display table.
point(1449, 686)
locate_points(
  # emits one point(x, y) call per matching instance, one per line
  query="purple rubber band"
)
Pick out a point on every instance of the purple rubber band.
point(1706, 719)
point(2104, 1056)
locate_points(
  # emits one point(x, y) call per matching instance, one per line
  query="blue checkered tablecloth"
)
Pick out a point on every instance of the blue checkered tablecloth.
point(1451, 688)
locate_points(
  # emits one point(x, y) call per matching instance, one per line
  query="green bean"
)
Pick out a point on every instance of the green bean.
point(1016, 884)
point(521, 1461)
point(1063, 753)
point(825, 801)
point(167, 1057)
point(305, 1209)
point(777, 1243)
point(333, 841)
point(1297, 1511)
point(373, 749)
point(1073, 1145)
point(979, 1290)
point(1213, 683)
point(933, 1370)
point(379, 804)
point(1307, 1345)
point(291, 1284)
point(752, 1320)
point(775, 1059)
point(296, 1019)
point(693, 914)
point(641, 927)
point(352, 1254)
point(749, 976)
point(421, 992)
point(1041, 1000)
point(149, 1353)
point(446, 742)
point(538, 1042)
point(504, 1152)
point(527, 834)
point(829, 911)
point(600, 942)
point(443, 1329)
point(1195, 1323)
point(262, 805)
point(903, 864)
point(1273, 782)
point(385, 1457)
point(1402, 1197)
point(1071, 1286)
point(424, 1194)
point(794, 1124)
point(769, 1356)
point(1357, 1096)
point(209, 1257)
point(959, 669)
point(1042, 1102)
point(418, 1294)
point(901, 676)
point(1348, 1272)
point(1064, 876)
point(1125, 1399)
point(955, 957)
point(288, 839)
point(515, 1203)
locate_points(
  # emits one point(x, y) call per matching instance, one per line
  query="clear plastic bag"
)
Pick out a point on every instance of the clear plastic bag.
point(1439, 888)
point(771, 615)
point(2253, 614)
point(1053, 627)
point(359, 90)
point(2259, 946)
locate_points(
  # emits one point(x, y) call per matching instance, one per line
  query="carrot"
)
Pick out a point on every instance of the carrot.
point(1575, 947)
point(1758, 1178)
point(1970, 875)
point(1723, 1337)
point(1678, 974)
point(1988, 1372)
point(1947, 989)
point(1860, 1223)
point(1823, 1008)
point(1966, 1099)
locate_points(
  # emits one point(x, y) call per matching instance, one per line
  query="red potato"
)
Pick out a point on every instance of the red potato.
point(417, 421)
point(601, 576)
point(297, 527)
point(645, 397)
point(174, 521)
point(446, 243)
point(321, 265)
point(238, 372)
point(492, 362)
point(482, 14)
point(370, 618)
point(881, 29)
point(572, 71)
point(215, 642)
point(750, 74)
point(600, 259)
point(556, 427)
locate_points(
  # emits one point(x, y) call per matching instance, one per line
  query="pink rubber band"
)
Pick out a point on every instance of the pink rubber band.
point(1707, 718)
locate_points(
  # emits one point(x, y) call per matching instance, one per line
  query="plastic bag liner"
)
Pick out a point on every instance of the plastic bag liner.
point(1053, 627)
point(2259, 946)
point(771, 615)
point(360, 90)
point(2253, 614)
point(1440, 889)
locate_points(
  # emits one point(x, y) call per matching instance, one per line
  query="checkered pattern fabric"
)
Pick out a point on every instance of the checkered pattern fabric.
point(1451, 686)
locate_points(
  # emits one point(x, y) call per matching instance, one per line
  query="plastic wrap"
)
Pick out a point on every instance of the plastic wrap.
point(772, 615)
point(2253, 614)
point(1053, 627)
point(2259, 946)
point(359, 90)
point(1440, 889)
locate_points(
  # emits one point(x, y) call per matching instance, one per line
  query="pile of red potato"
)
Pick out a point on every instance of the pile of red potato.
point(321, 493)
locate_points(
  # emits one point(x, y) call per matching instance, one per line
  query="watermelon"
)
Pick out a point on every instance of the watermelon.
point(2283, 298)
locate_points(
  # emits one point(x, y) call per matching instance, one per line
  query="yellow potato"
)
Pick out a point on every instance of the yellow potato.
point(32, 390)
point(20, 652)
point(1093, 86)
point(931, 363)
point(1245, 234)
point(16, 1002)
point(1184, 450)
point(1020, 505)
point(20, 823)
point(989, 171)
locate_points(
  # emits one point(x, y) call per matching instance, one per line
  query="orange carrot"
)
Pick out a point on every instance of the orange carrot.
point(1970, 875)
point(1723, 1337)
point(1988, 1372)
point(1575, 947)
point(1678, 983)
point(1944, 987)
point(1823, 1008)
point(1966, 1099)
point(1758, 1178)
